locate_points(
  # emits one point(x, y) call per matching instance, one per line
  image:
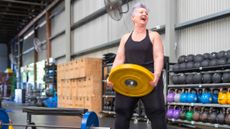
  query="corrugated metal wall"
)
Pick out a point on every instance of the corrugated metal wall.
point(83, 8)
point(192, 9)
point(28, 57)
point(42, 37)
point(104, 29)
point(207, 37)
point(3, 57)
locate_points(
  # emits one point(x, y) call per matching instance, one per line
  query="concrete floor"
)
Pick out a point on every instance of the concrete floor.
point(19, 117)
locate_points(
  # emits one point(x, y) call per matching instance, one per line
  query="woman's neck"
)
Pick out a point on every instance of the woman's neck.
point(139, 30)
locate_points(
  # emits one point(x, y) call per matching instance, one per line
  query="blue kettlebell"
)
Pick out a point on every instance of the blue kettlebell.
point(199, 94)
point(183, 96)
point(206, 97)
point(215, 95)
point(192, 96)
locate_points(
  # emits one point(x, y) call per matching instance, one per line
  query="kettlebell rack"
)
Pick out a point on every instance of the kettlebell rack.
point(199, 96)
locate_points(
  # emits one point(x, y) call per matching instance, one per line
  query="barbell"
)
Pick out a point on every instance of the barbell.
point(131, 80)
point(89, 121)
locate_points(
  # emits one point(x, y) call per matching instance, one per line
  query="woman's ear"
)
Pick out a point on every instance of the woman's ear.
point(132, 18)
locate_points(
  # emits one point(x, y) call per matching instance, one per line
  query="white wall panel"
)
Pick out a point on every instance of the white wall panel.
point(61, 60)
point(83, 8)
point(42, 33)
point(208, 37)
point(42, 37)
point(28, 58)
point(90, 35)
point(42, 55)
point(192, 9)
point(28, 43)
point(58, 46)
point(58, 23)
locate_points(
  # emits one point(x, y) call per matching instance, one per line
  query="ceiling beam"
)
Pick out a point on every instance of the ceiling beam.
point(11, 6)
point(31, 23)
point(8, 10)
point(13, 14)
point(6, 30)
point(24, 2)
point(7, 24)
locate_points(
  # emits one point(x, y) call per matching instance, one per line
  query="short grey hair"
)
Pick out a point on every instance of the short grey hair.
point(138, 5)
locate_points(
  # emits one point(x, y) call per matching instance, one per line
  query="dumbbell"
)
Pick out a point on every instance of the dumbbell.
point(206, 55)
point(227, 54)
point(226, 77)
point(207, 78)
point(189, 79)
point(197, 78)
point(198, 58)
point(176, 67)
point(217, 78)
point(181, 59)
point(189, 58)
point(221, 54)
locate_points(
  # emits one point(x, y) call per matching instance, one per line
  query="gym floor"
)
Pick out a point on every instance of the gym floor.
point(18, 117)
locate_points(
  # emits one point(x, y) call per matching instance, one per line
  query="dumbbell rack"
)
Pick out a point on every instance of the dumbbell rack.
point(210, 69)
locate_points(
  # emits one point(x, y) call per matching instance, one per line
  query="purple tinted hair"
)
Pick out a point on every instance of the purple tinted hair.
point(138, 5)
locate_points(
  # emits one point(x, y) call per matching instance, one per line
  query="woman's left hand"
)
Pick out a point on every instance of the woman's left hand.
point(155, 81)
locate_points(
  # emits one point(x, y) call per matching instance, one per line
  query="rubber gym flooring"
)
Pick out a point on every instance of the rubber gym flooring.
point(18, 117)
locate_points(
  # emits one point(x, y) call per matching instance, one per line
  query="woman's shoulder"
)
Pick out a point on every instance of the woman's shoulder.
point(125, 37)
point(153, 34)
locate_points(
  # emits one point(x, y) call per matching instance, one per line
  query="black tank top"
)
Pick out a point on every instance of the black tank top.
point(139, 52)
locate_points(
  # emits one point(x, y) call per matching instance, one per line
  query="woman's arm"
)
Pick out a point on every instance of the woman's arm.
point(158, 56)
point(120, 56)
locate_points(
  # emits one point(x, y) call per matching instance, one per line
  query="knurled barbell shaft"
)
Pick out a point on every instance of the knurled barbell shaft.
point(50, 126)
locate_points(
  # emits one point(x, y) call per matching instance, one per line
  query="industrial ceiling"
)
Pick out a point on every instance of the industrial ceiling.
point(16, 14)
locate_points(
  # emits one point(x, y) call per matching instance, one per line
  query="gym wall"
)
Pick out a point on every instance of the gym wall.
point(3, 57)
point(101, 35)
point(207, 37)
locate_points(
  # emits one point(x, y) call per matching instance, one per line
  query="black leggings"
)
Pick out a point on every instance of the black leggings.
point(154, 108)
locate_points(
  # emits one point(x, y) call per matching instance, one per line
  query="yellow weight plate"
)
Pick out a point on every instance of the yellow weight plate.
point(131, 80)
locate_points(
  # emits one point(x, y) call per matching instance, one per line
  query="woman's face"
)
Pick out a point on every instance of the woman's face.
point(140, 16)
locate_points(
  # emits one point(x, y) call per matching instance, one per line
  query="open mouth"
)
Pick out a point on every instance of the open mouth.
point(143, 18)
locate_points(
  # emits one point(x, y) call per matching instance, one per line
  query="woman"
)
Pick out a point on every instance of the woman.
point(145, 48)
